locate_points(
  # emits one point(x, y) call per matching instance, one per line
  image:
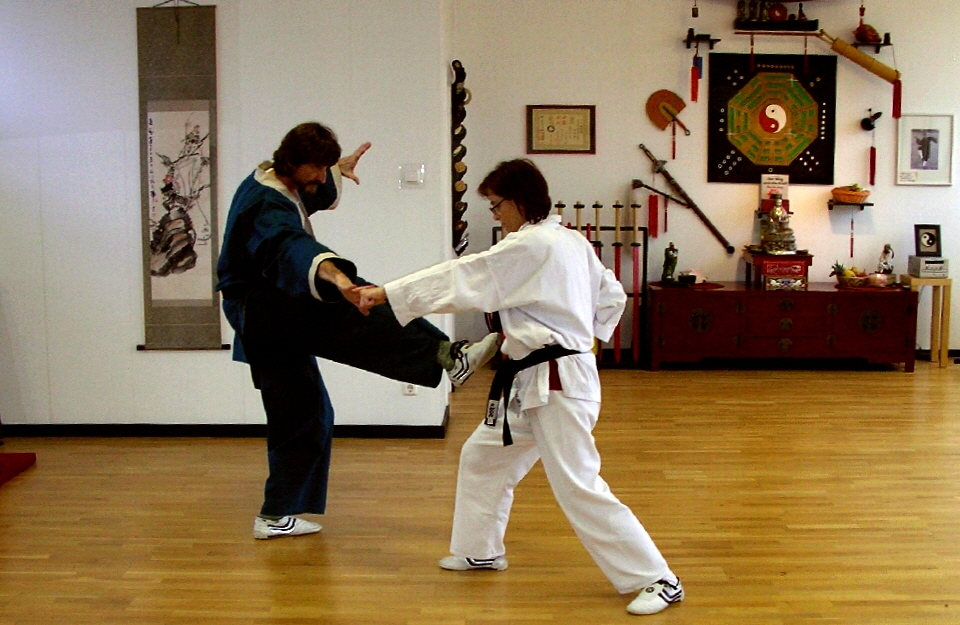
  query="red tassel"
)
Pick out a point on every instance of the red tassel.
point(694, 83)
point(873, 165)
point(653, 210)
point(897, 97)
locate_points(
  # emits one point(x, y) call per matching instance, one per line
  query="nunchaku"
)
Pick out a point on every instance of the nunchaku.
point(684, 199)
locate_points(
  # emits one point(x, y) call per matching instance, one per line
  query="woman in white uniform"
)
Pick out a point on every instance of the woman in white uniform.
point(553, 297)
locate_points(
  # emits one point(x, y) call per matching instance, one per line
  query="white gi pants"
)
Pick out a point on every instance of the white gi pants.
point(559, 434)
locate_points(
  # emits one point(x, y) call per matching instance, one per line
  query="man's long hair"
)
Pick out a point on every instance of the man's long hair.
point(520, 181)
point(310, 143)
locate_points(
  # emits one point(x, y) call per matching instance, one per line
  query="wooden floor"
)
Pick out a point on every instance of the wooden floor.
point(779, 497)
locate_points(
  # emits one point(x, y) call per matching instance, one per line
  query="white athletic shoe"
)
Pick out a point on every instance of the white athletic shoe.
point(656, 597)
point(467, 358)
point(285, 526)
point(459, 563)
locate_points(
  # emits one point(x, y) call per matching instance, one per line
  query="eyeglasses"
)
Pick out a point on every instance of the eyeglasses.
point(494, 208)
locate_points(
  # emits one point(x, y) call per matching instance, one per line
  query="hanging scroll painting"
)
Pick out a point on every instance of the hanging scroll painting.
point(176, 50)
point(771, 114)
point(178, 175)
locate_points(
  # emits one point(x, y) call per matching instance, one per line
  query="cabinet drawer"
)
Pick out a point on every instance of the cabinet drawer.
point(785, 324)
point(792, 303)
point(785, 347)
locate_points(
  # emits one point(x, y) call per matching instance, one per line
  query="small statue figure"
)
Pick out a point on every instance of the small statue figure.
point(669, 263)
point(777, 236)
point(800, 14)
point(885, 265)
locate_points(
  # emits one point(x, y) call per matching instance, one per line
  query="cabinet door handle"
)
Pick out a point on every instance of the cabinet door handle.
point(786, 304)
point(871, 321)
point(786, 324)
point(785, 345)
point(700, 320)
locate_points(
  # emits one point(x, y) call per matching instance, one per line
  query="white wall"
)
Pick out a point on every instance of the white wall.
point(615, 53)
point(70, 280)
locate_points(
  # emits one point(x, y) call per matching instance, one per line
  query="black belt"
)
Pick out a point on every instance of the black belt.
point(503, 382)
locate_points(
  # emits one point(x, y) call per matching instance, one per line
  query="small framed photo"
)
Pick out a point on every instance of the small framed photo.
point(558, 129)
point(925, 150)
point(927, 237)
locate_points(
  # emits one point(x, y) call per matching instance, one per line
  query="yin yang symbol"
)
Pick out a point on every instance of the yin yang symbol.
point(773, 118)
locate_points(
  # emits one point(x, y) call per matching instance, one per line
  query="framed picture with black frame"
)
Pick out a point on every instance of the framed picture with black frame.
point(927, 237)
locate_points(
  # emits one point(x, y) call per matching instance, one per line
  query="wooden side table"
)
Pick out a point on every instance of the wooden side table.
point(940, 315)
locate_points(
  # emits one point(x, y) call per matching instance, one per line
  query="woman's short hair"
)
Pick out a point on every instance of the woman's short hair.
point(520, 181)
point(310, 143)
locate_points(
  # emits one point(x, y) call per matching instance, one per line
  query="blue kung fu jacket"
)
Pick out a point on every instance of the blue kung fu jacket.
point(268, 243)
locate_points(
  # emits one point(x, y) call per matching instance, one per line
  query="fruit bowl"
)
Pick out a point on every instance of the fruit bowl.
point(849, 196)
point(853, 281)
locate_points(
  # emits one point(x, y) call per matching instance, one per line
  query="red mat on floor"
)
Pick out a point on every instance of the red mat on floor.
point(12, 464)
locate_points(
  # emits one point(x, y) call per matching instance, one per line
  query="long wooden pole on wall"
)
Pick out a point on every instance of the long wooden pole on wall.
point(176, 49)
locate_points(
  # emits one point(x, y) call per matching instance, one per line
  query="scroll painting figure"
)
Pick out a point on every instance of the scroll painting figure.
point(173, 234)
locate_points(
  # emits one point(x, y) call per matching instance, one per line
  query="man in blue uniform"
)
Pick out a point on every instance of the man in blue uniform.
point(290, 298)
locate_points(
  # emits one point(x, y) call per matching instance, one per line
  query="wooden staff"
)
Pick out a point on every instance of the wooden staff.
point(636, 285)
point(597, 348)
point(617, 208)
point(597, 243)
point(560, 206)
point(578, 207)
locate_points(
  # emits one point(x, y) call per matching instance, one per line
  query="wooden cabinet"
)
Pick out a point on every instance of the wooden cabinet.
point(735, 321)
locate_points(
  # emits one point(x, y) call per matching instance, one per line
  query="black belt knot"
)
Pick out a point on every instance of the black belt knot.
point(503, 382)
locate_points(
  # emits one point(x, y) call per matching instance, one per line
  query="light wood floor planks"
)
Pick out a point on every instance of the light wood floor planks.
point(780, 497)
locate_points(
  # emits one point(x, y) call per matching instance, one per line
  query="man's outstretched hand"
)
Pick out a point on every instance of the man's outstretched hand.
point(349, 163)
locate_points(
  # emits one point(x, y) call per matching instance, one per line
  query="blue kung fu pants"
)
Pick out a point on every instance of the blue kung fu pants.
point(280, 337)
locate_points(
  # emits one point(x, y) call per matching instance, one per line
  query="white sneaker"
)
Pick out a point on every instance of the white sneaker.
point(467, 358)
point(459, 563)
point(656, 597)
point(285, 526)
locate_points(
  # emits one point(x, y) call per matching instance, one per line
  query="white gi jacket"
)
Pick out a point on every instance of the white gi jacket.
point(548, 286)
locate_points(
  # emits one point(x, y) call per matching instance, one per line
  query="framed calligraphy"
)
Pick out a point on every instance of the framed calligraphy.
point(558, 129)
